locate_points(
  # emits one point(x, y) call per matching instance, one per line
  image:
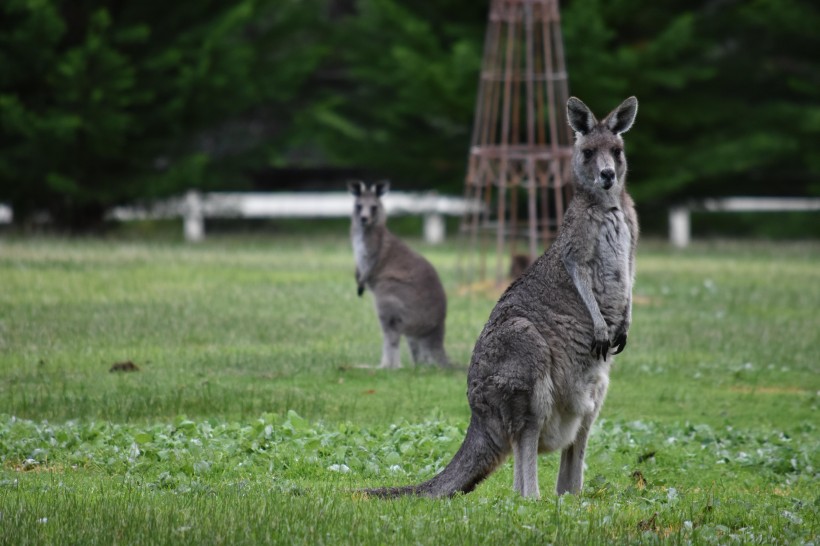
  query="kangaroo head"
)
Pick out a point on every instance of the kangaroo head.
point(598, 158)
point(368, 210)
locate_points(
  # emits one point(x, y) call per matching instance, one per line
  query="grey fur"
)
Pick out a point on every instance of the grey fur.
point(408, 294)
point(540, 368)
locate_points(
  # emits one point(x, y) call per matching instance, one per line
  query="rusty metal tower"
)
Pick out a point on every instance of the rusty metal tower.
point(519, 162)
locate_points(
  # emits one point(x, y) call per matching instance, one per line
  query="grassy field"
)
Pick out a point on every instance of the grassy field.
point(250, 418)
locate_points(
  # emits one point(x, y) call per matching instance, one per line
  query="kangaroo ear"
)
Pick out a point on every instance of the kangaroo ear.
point(381, 187)
point(579, 116)
point(355, 187)
point(621, 119)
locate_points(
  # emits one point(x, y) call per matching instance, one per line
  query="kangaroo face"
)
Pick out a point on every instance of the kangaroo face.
point(368, 210)
point(598, 158)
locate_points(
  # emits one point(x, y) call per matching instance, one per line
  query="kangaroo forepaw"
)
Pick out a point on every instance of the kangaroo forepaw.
point(600, 348)
point(360, 290)
point(620, 343)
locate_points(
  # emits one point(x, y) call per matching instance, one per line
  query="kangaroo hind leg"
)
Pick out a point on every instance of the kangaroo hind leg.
point(416, 350)
point(428, 349)
point(525, 470)
point(390, 317)
point(391, 350)
point(571, 471)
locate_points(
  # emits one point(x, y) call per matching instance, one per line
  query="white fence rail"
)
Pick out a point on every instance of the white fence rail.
point(194, 208)
point(680, 222)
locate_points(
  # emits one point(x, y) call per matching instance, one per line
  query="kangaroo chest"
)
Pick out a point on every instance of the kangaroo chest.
point(612, 281)
point(359, 250)
point(365, 252)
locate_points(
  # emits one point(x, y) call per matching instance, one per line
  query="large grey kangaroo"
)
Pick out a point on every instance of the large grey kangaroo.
point(540, 368)
point(409, 298)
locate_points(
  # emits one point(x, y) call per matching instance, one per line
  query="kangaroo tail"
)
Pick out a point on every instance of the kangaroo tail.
point(476, 459)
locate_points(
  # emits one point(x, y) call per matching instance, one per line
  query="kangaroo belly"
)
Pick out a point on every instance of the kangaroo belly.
point(558, 432)
point(578, 395)
point(407, 311)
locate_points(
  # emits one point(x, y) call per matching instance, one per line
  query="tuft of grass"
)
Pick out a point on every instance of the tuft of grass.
point(250, 421)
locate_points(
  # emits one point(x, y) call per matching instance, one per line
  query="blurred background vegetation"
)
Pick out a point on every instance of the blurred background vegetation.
point(104, 102)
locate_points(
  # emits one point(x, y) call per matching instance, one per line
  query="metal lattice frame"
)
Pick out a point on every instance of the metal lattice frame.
point(519, 163)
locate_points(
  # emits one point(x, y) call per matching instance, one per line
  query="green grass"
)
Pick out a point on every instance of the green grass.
point(250, 421)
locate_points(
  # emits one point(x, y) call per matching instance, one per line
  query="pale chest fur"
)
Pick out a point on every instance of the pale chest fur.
point(359, 249)
point(365, 251)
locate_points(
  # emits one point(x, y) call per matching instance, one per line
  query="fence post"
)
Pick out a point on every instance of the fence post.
point(6, 214)
point(434, 228)
point(679, 226)
point(193, 218)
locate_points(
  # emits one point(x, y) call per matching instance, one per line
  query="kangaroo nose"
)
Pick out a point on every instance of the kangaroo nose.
point(608, 178)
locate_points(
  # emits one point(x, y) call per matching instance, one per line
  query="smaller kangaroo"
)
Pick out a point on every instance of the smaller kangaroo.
point(540, 368)
point(409, 297)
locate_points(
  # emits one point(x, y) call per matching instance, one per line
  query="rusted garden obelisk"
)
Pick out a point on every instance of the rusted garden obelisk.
point(519, 162)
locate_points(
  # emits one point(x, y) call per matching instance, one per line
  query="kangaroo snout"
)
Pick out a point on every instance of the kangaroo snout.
point(607, 178)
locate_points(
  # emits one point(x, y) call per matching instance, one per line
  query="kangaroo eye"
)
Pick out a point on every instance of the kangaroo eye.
point(373, 210)
point(358, 208)
point(616, 152)
point(588, 153)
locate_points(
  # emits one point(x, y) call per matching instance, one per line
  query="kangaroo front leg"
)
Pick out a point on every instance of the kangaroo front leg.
point(580, 276)
point(619, 341)
point(525, 470)
point(359, 283)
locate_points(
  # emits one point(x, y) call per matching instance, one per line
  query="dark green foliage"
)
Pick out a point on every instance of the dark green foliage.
point(412, 70)
point(730, 101)
point(104, 102)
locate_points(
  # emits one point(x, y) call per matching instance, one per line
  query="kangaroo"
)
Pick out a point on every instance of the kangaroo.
point(409, 297)
point(540, 368)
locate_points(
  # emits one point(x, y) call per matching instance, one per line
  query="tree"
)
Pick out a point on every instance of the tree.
point(403, 100)
point(730, 100)
point(728, 90)
point(104, 102)
point(107, 101)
